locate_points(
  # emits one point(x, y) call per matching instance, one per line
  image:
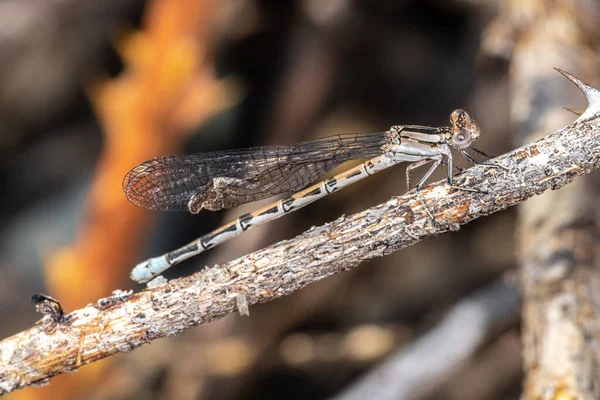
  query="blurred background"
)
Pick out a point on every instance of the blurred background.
point(90, 89)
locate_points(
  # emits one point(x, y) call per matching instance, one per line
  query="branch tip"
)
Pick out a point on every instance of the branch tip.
point(591, 93)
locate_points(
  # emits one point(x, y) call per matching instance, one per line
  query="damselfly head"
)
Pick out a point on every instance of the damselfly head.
point(465, 130)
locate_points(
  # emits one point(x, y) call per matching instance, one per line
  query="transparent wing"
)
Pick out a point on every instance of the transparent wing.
point(226, 179)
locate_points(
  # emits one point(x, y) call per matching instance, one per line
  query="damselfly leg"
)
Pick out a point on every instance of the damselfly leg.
point(473, 161)
point(436, 163)
point(450, 177)
point(410, 168)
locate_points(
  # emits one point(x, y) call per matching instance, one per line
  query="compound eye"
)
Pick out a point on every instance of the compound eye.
point(461, 138)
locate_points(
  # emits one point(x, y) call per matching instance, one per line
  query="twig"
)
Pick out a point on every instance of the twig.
point(417, 371)
point(120, 325)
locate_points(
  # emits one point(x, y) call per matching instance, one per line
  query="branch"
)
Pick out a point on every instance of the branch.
point(557, 233)
point(123, 322)
point(417, 371)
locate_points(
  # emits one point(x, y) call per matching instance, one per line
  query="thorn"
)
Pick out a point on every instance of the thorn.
point(574, 111)
point(592, 95)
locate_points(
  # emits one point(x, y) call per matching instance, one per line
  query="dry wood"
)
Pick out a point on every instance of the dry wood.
point(126, 321)
point(557, 231)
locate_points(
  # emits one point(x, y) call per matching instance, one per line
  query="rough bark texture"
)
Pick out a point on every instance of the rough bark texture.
point(557, 230)
point(124, 322)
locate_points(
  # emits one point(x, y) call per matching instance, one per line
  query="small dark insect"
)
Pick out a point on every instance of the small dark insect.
point(50, 306)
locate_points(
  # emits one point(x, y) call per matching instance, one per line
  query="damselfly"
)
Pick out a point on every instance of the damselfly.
point(226, 179)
